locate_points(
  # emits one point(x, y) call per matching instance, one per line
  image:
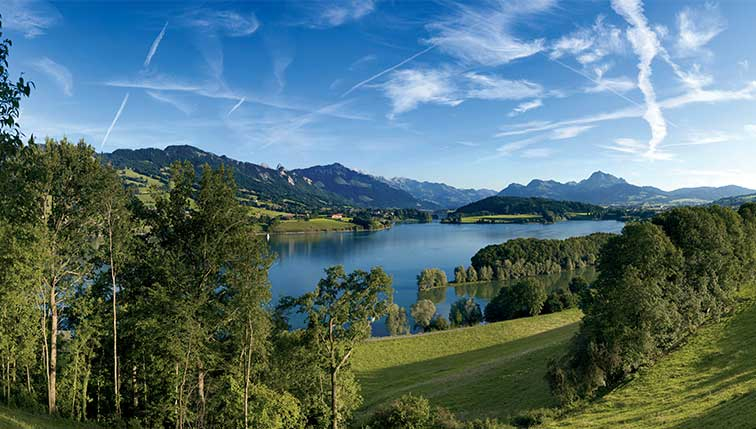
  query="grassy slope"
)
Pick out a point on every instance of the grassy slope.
point(708, 383)
point(488, 370)
point(14, 418)
point(313, 225)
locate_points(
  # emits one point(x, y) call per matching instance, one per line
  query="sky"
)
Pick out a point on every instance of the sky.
point(473, 94)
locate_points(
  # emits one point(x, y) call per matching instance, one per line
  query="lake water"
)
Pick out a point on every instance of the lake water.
point(403, 251)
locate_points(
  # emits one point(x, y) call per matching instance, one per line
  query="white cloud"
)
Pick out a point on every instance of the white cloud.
point(342, 12)
point(154, 46)
point(115, 120)
point(524, 107)
point(589, 45)
point(699, 138)
point(388, 70)
point(483, 35)
point(697, 27)
point(620, 85)
point(362, 61)
point(489, 87)
point(569, 132)
point(409, 88)
point(228, 23)
point(165, 97)
point(512, 147)
point(646, 45)
point(236, 106)
point(31, 17)
point(633, 147)
point(58, 72)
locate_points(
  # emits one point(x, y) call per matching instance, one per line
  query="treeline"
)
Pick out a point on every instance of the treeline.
point(659, 281)
point(498, 205)
point(525, 257)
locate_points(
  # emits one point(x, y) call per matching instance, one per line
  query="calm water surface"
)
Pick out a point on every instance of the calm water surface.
point(403, 251)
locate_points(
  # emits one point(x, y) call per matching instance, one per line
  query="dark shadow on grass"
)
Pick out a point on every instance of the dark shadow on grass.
point(499, 381)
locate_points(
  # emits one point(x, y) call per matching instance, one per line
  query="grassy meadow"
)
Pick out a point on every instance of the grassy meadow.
point(20, 419)
point(710, 382)
point(494, 370)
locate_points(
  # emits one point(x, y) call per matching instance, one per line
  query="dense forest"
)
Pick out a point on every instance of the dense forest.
point(524, 257)
point(550, 210)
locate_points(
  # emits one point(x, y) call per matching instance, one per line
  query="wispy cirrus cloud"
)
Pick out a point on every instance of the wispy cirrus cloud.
point(115, 121)
point(697, 27)
point(526, 106)
point(155, 44)
point(58, 72)
point(447, 86)
point(31, 17)
point(223, 22)
point(408, 88)
point(646, 45)
point(589, 45)
point(168, 98)
point(483, 35)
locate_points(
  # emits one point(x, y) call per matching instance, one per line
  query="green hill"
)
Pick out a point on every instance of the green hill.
point(508, 209)
point(707, 383)
point(494, 370)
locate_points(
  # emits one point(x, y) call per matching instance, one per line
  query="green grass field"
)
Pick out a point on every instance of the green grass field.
point(20, 419)
point(491, 370)
point(708, 383)
point(501, 218)
point(313, 225)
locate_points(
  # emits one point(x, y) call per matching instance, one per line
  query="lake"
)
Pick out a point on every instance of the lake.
point(403, 251)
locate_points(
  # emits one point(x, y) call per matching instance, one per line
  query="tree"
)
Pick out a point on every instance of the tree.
point(465, 312)
point(460, 276)
point(634, 315)
point(340, 312)
point(422, 312)
point(485, 274)
point(438, 323)
point(472, 274)
point(10, 104)
point(431, 278)
point(396, 320)
point(524, 298)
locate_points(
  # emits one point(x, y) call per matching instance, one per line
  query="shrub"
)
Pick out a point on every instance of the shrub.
point(423, 312)
point(407, 412)
point(431, 278)
point(525, 298)
point(465, 312)
point(439, 323)
point(460, 275)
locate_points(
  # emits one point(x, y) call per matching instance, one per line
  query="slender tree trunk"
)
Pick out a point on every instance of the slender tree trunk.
point(247, 372)
point(52, 392)
point(84, 388)
point(334, 409)
point(28, 380)
point(134, 387)
point(116, 381)
point(201, 389)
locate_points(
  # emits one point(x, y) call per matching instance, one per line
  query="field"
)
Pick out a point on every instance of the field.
point(708, 383)
point(501, 218)
point(18, 419)
point(491, 370)
point(313, 225)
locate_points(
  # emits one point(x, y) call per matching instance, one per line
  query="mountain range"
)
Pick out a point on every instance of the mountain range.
point(335, 185)
point(607, 190)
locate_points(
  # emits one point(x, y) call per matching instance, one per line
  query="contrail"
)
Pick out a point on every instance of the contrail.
point(370, 79)
point(155, 45)
point(236, 106)
point(112, 124)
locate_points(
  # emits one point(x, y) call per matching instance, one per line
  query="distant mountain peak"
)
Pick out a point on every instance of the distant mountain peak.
point(599, 178)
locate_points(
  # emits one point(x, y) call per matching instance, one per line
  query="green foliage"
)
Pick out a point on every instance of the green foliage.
point(523, 299)
point(431, 278)
point(658, 283)
point(550, 209)
point(396, 320)
point(438, 323)
point(472, 274)
point(465, 312)
point(526, 257)
point(422, 312)
point(460, 275)
point(485, 274)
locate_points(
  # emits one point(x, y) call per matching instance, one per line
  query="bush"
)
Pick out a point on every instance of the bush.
point(460, 275)
point(423, 312)
point(431, 278)
point(472, 274)
point(407, 412)
point(439, 323)
point(560, 299)
point(525, 298)
point(534, 418)
point(465, 312)
point(396, 320)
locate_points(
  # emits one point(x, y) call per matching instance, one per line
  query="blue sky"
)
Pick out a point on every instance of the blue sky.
point(474, 94)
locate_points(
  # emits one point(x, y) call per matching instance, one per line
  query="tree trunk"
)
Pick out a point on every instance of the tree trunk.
point(334, 409)
point(116, 381)
point(247, 371)
point(51, 388)
point(134, 387)
point(201, 389)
